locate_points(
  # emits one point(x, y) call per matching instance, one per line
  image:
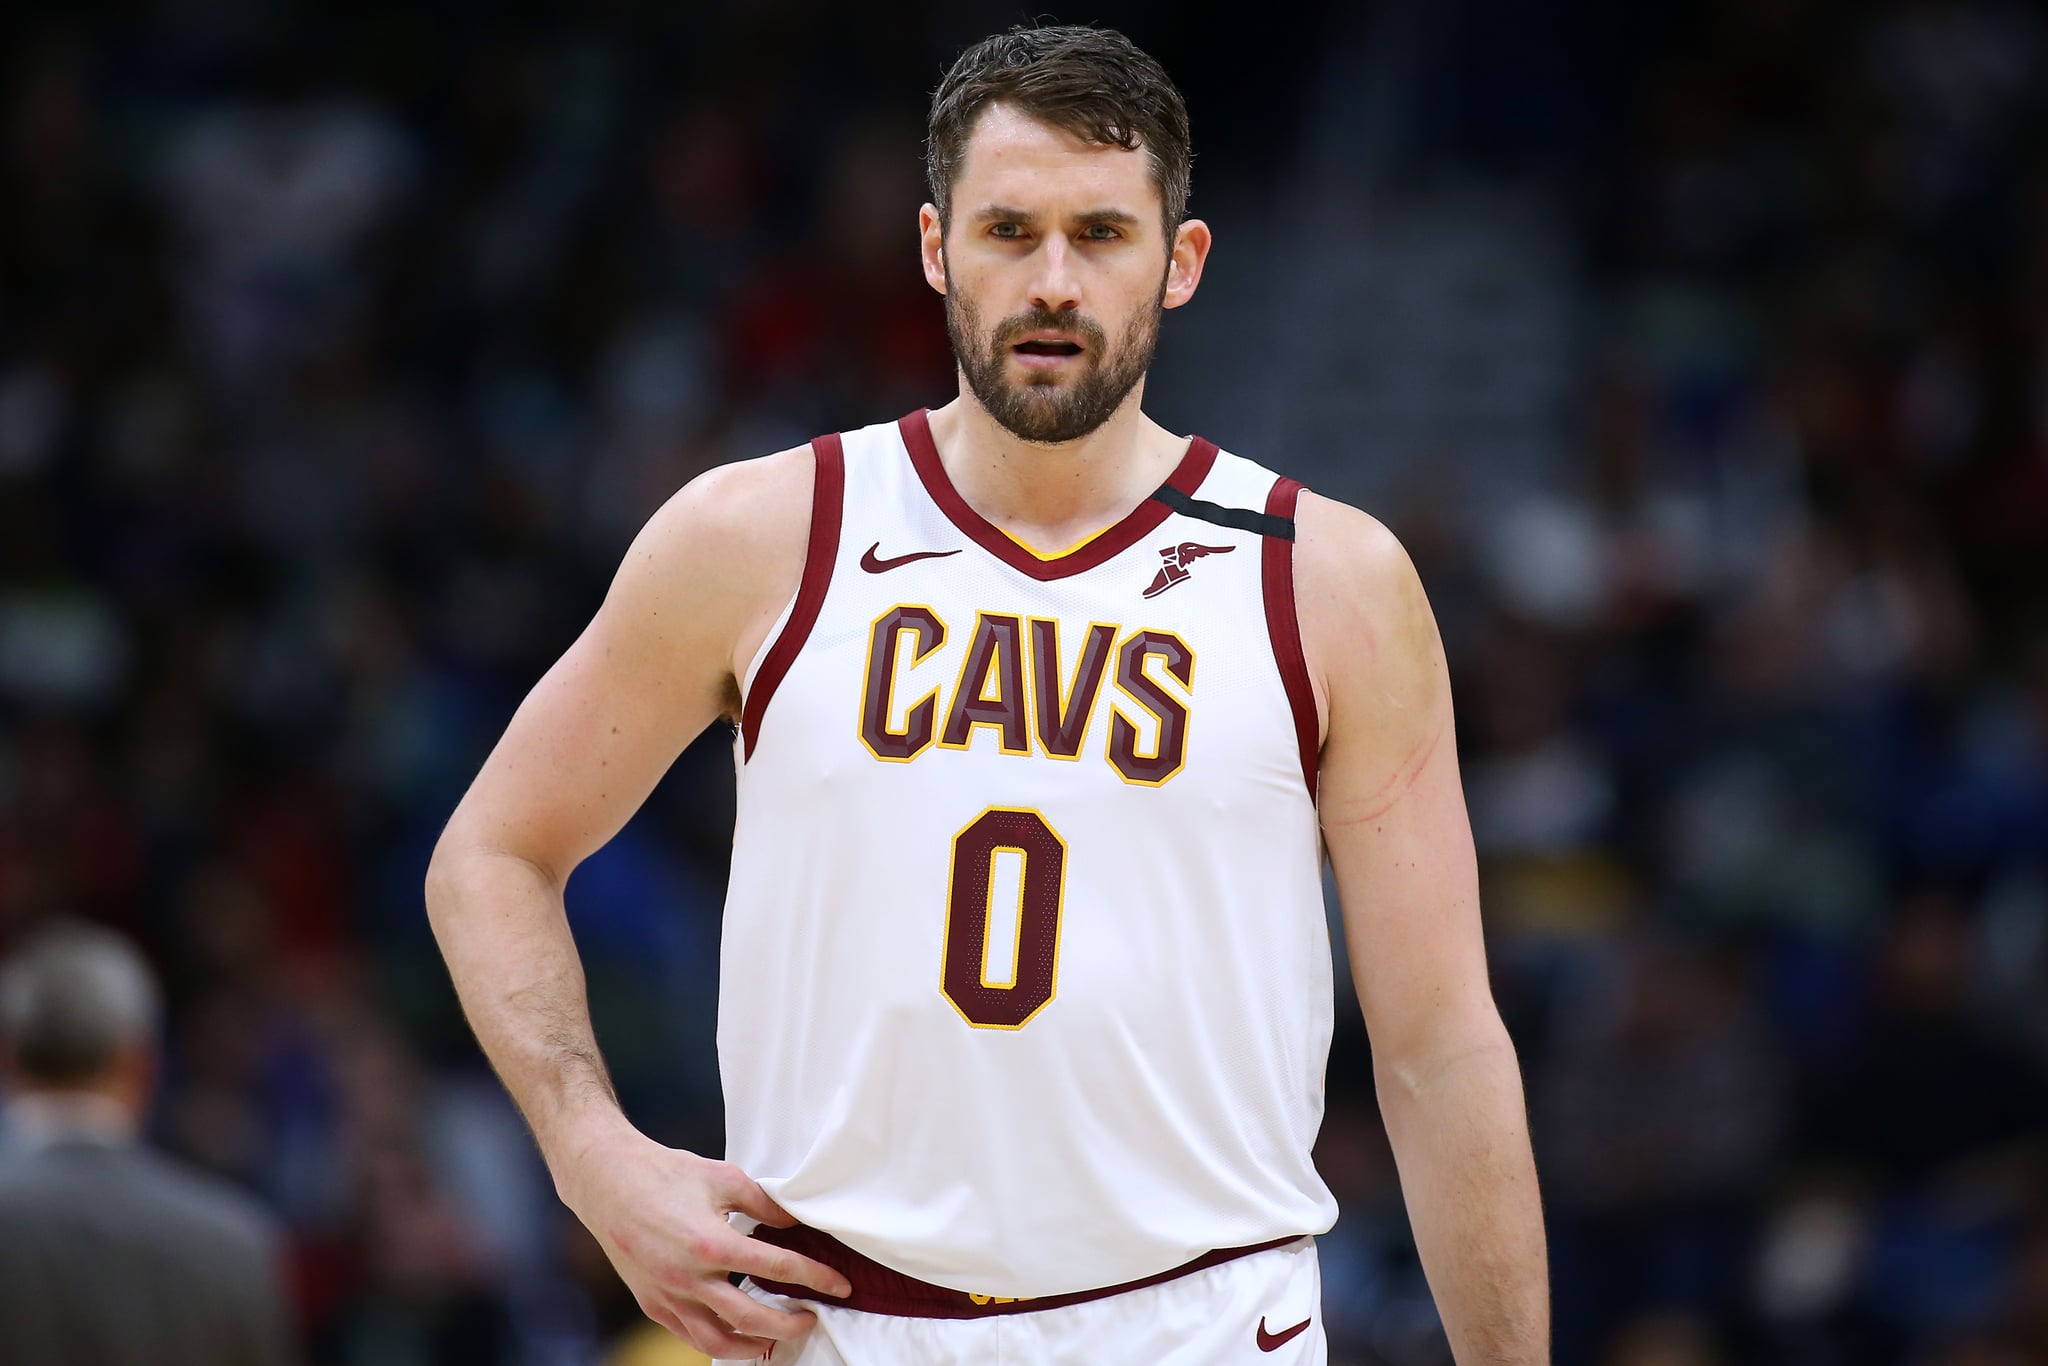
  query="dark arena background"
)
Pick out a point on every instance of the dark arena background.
point(1696, 352)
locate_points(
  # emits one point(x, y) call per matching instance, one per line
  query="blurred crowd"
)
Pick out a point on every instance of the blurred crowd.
point(339, 359)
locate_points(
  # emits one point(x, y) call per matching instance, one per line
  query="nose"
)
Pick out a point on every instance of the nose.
point(1055, 288)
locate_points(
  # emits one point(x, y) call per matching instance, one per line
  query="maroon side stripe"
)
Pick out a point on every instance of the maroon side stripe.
point(828, 495)
point(1285, 629)
point(878, 1289)
point(1142, 520)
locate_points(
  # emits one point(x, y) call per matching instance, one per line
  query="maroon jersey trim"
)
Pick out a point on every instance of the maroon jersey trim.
point(878, 1289)
point(1285, 629)
point(828, 496)
point(1140, 523)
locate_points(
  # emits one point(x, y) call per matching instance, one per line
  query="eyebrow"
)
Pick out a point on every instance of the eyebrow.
point(1004, 213)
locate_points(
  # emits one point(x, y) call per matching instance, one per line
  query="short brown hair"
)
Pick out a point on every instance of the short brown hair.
point(1091, 82)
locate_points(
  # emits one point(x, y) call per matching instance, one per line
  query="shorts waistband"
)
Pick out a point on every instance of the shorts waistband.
point(879, 1290)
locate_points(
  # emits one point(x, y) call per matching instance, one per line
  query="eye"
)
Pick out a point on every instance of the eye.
point(1102, 232)
point(1008, 232)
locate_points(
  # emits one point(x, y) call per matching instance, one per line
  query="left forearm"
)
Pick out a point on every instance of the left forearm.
point(1460, 1136)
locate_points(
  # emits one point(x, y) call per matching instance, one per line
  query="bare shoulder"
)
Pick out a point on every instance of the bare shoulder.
point(723, 554)
point(756, 512)
point(1367, 630)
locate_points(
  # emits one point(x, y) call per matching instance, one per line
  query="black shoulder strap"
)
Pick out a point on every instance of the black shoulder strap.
point(1244, 519)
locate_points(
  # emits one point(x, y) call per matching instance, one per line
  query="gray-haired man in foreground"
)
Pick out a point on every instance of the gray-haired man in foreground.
point(110, 1254)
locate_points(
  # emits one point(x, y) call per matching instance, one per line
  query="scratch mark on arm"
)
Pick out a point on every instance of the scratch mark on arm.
point(1398, 783)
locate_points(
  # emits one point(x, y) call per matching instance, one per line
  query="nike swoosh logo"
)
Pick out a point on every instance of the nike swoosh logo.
point(869, 562)
point(1273, 1342)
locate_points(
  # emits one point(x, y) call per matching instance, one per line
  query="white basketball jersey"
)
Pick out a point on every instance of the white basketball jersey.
point(1025, 980)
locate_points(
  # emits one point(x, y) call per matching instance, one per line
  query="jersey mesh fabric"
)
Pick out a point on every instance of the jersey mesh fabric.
point(1164, 1100)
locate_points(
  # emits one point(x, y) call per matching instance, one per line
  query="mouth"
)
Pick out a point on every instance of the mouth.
point(1046, 351)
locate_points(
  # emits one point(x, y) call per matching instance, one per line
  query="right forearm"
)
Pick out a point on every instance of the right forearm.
point(660, 1215)
point(502, 929)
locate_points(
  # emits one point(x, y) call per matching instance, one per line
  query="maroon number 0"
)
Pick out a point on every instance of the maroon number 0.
point(970, 912)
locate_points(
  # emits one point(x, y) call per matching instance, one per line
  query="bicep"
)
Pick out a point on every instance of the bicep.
point(1391, 802)
point(1401, 847)
point(650, 672)
point(590, 742)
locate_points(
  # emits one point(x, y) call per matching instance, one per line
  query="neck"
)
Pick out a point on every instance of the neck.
point(1053, 495)
point(47, 1116)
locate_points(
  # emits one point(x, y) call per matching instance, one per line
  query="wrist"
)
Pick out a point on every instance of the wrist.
point(575, 1139)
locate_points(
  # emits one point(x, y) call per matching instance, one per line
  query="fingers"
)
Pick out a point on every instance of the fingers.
point(780, 1264)
point(673, 1322)
point(745, 1314)
point(742, 1193)
point(703, 1330)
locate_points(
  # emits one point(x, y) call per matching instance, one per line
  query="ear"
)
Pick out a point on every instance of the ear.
point(932, 243)
point(1184, 265)
point(134, 1074)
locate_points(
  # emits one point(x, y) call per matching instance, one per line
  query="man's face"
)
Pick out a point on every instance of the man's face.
point(1055, 270)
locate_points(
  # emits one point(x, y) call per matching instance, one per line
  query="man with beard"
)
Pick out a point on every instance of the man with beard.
point(1028, 991)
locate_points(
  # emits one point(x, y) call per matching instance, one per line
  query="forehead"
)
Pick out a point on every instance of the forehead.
point(1012, 158)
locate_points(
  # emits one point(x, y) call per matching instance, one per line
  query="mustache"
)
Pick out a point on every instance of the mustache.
point(1067, 320)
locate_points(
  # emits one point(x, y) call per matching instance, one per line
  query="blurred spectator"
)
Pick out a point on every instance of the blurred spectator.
point(1657, 1115)
point(1929, 1085)
point(109, 1254)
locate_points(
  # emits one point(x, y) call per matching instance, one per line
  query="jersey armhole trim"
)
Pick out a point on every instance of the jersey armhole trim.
point(1283, 626)
point(828, 494)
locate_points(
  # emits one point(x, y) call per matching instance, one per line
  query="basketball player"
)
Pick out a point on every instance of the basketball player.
point(1044, 717)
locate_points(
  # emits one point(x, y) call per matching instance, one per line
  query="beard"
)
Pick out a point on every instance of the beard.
point(1045, 408)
